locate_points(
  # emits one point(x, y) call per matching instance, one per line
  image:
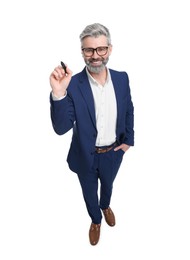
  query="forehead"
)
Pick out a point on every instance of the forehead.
point(94, 42)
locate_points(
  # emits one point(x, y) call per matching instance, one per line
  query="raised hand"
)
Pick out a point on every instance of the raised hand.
point(59, 81)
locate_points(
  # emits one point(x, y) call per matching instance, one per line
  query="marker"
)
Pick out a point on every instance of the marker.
point(64, 67)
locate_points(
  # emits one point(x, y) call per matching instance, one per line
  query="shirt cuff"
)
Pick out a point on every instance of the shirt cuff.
point(58, 98)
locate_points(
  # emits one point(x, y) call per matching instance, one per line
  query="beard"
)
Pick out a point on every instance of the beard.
point(96, 69)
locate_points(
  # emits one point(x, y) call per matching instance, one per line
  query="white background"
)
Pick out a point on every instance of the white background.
point(42, 213)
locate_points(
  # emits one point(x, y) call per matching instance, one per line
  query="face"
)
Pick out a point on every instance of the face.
point(96, 60)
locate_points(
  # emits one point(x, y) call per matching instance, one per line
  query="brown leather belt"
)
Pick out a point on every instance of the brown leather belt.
point(105, 149)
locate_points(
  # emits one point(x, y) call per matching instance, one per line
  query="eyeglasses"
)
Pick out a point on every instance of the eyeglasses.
point(101, 51)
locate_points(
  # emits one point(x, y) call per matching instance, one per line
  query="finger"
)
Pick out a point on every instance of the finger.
point(118, 148)
point(56, 75)
point(69, 72)
point(60, 71)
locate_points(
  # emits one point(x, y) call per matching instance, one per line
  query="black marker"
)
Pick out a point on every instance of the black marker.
point(64, 67)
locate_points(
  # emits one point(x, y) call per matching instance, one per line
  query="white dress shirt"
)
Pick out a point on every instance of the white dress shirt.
point(105, 109)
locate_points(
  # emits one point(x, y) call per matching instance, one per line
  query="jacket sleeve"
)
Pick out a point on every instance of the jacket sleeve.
point(62, 114)
point(129, 123)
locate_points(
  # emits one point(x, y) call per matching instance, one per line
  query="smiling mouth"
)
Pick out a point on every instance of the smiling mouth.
point(96, 62)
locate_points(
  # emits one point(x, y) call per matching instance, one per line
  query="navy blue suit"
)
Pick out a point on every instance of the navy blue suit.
point(77, 111)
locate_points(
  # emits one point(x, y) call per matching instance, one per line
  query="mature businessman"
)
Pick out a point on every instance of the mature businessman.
point(97, 105)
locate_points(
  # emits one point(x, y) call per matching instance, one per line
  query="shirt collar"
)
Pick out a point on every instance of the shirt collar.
point(93, 81)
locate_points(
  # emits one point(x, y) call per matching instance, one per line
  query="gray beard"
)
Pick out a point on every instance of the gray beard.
point(96, 69)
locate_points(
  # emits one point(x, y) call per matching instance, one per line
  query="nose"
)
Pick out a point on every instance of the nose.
point(95, 55)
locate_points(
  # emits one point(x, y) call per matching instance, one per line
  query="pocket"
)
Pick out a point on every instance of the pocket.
point(121, 151)
point(118, 157)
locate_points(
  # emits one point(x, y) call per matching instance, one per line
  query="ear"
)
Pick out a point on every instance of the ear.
point(110, 49)
point(82, 53)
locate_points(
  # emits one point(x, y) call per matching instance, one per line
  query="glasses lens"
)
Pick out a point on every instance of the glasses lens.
point(88, 52)
point(102, 50)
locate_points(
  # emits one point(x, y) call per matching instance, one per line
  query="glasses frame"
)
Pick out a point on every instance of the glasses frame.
point(95, 49)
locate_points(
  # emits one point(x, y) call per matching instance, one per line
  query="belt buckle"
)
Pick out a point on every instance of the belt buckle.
point(107, 149)
point(100, 150)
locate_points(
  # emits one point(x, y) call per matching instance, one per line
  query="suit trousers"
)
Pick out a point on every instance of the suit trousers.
point(97, 184)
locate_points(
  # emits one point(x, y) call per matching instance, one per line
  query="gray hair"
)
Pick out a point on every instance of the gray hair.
point(95, 30)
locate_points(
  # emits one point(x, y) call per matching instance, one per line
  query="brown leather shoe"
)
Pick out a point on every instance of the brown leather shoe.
point(109, 217)
point(94, 233)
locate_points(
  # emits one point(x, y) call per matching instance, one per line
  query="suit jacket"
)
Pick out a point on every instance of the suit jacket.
point(77, 111)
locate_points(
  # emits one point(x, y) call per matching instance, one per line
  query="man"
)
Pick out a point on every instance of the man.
point(96, 103)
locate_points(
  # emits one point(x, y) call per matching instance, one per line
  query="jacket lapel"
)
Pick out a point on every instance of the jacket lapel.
point(118, 93)
point(86, 91)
